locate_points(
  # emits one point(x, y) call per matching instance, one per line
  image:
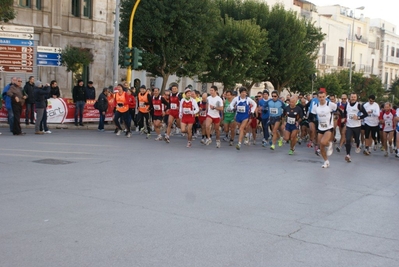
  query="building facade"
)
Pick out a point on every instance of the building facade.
point(85, 24)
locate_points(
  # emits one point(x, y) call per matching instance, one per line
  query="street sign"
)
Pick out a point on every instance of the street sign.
point(16, 28)
point(16, 69)
point(16, 35)
point(19, 42)
point(49, 56)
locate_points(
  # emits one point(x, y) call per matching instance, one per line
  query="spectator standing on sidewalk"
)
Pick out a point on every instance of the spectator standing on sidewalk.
point(7, 100)
point(90, 91)
point(79, 98)
point(30, 101)
point(40, 96)
point(17, 102)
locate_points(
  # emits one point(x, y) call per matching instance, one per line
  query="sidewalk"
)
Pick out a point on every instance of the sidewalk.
point(87, 126)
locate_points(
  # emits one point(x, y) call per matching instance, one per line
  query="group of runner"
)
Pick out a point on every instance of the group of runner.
point(314, 118)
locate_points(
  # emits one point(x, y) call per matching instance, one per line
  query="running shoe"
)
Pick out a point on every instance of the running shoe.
point(391, 149)
point(280, 142)
point(386, 154)
point(217, 143)
point(375, 147)
point(330, 149)
point(272, 147)
point(49, 132)
point(231, 143)
point(226, 139)
point(338, 148)
point(238, 146)
point(188, 144)
point(128, 135)
point(208, 142)
point(254, 142)
point(358, 149)
point(317, 152)
point(246, 142)
point(348, 158)
point(270, 142)
point(309, 144)
point(118, 132)
point(299, 141)
point(203, 141)
point(264, 144)
point(167, 140)
point(148, 136)
point(290, 152)
point(366, 152)
point(159, 138)
point(326, 164)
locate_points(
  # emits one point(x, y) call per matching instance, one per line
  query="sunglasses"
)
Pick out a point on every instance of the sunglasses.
point(274, 96)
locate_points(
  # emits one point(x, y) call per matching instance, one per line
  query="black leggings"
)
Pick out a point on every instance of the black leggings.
point(140, 120)
point(351, 132)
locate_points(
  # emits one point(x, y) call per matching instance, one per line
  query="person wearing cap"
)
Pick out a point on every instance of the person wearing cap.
point(144, 100)
point(17, 101)
point(90, 91)
point(188, 109)
point(30, 101)
point(79, 98)
point(41, 94)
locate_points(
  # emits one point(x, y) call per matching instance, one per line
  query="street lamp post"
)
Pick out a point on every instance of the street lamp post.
point(353, 37)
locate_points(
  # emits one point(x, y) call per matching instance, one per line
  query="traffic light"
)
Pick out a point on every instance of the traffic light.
point(137, 58)
point(128, 57)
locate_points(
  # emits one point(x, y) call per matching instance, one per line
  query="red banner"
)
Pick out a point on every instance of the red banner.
point(62, 110)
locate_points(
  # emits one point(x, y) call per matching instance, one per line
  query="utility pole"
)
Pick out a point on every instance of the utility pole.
point(115, 67)
point(130, 40)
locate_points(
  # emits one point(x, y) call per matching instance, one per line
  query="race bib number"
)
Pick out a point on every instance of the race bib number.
point(157, 107)
point(202, 113)
point(228, 110)
point(141, 104)
point(290, 120)
point(173, 106)
point(388, 123)
point(186, 111)
point(352, 116)
point(273, 111)
point(241, 109)
point(323, 124)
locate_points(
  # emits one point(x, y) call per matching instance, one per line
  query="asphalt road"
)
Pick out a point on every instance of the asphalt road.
point(86, 198)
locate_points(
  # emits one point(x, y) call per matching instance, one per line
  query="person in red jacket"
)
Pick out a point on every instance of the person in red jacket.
point(132, 104)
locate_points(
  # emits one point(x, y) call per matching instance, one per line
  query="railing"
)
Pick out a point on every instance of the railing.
point(394, 60)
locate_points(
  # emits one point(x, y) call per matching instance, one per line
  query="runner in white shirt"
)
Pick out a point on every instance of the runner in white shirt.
point(324, 113)
point(371, 122)
point(215, 105)
point(188, 109)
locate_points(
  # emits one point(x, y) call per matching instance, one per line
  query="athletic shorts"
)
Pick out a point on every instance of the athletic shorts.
point(228, 120)
point(241, 118)
point(188, 119)
point(214, 120)
point(174, 113)
point(273, 120)
point(371, 129)
point(323, 132)
point(305, 123)
point(201, 119)
point(166, 119)
point(159, 118)
point(363, 127)
point(254, 123)
point(291, 127)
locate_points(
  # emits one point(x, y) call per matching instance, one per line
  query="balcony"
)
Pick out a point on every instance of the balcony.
point(394, 60)
point(326, 60)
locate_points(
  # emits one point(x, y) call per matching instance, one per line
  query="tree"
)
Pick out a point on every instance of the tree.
point(237, 49)
point(73, 58)
point(394, 91)
point(173, 34)
point(331, 83)
point(7, 11)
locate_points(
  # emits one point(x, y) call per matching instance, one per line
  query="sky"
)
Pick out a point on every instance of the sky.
point(384, 9)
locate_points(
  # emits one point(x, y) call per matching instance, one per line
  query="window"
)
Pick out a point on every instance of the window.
point(377, 45)
point(38, 4)
point(341, 56)
point(397, 52)
point(76, 8)
point(25, 3)
point(87, 8)
point(392, 51)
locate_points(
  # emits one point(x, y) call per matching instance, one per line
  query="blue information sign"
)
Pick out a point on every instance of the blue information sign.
point(17, 42)
point(42, 62)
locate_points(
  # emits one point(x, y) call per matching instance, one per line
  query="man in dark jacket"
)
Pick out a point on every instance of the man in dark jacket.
point(90, 91)
point(30, 101)
point(79, 98)
point(102, 108)
point(17, 101)
point(40, 94)
point(54, 89)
